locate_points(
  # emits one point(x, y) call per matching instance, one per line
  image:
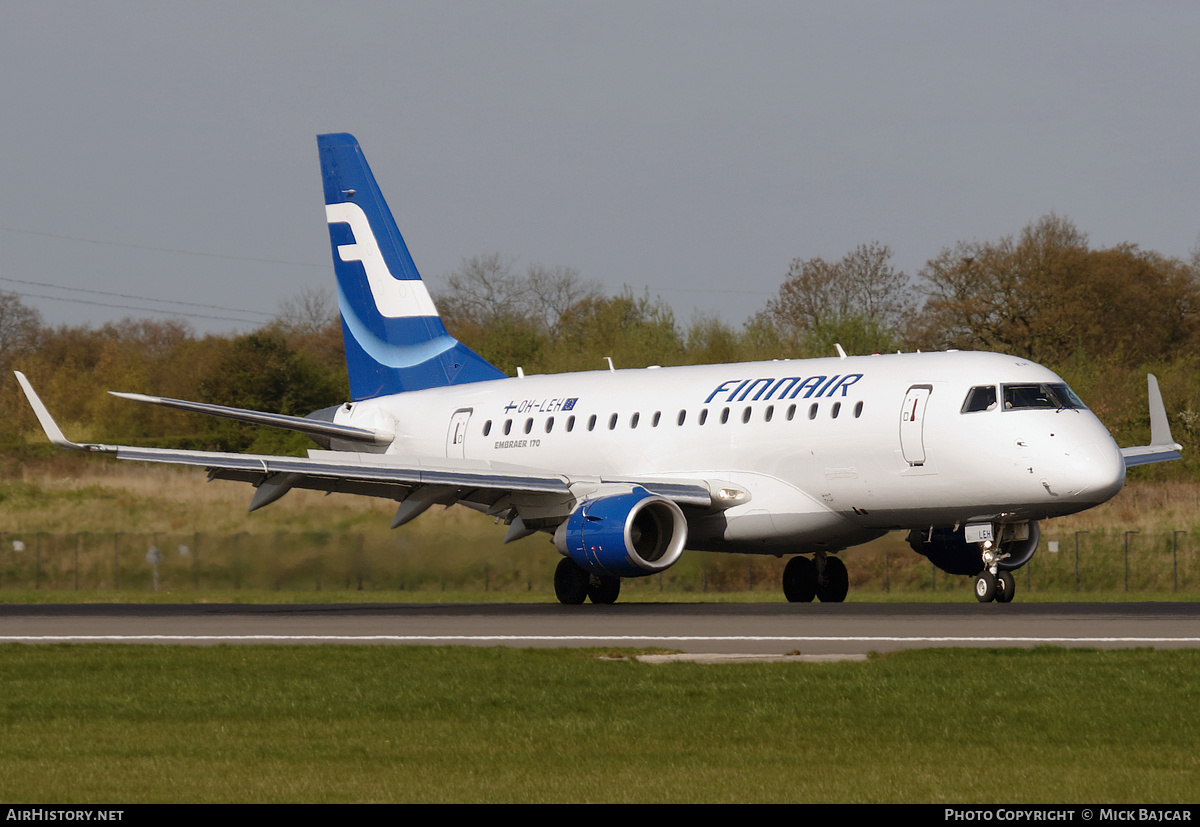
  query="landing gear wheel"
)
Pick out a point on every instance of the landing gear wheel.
point(800, 580)
point(1006, 587)
point(603, 589)
point(985, 587)
point(570, 582)
point(834, 583)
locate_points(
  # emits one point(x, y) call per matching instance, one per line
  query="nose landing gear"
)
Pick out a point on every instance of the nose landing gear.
point(993, 583)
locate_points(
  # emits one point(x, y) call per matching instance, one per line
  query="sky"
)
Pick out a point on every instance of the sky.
point(162, 155)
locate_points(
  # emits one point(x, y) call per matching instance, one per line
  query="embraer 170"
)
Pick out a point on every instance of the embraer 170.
point(624, 469)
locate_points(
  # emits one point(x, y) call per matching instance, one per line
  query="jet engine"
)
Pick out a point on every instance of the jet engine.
point(624, 535)
point(948, 549)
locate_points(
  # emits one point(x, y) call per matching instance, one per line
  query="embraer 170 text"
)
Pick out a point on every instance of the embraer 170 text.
point(627, 468)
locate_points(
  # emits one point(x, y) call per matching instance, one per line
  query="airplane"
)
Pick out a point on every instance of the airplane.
point(625, 469)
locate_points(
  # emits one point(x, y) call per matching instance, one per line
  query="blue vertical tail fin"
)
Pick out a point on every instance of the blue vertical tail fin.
point(395, 341)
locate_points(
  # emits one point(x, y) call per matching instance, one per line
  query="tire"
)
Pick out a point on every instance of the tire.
point(570, 582)
point(833, 586)
point(985, 587)
point(603, 589)
point(1006, 587)
point(800, 580)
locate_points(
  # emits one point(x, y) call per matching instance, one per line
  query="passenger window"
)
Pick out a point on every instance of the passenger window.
point(981, 398)
point(507, 426)
point(858, 410)
point(746, 415)
point(633, 420)
point(812, 411)
point(703, 415)
point(791, 412)
point(682, 417)
point(612, 422)
point(487, 427)
point(768, 413)
point(549, 424)
point(724, 415)
point(657, 416)
point(837, 409)
point(592, 422)
point(529, 424)
point(570, 424)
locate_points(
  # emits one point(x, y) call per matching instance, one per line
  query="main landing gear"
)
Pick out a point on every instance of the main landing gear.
point(824, 578)
point(572, 585)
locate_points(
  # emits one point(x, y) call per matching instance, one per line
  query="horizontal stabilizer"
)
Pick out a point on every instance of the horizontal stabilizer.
point(312, 427)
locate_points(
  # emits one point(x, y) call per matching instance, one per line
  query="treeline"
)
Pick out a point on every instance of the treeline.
point(293, 365)
point(1102, 318)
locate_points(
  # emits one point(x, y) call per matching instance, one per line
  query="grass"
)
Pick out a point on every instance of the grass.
point(427, 724)
point(270, 596)
point(86, 524)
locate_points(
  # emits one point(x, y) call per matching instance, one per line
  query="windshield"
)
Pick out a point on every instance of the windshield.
point(1054, 396)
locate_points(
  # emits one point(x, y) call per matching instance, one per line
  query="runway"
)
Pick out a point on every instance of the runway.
point(765, 628)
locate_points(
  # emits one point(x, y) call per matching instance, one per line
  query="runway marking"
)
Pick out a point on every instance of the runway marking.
point(582, 638)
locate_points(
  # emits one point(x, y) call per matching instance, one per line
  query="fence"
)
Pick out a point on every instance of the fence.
point(1096, 561)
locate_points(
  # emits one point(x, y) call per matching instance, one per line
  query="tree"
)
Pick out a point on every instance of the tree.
point(634, 331)
point(311, 324)
point(20, 328)
point(487, 289)
point(260, 372)
point(1046, 296)
point(860, 296)
point(307, 313)
point(711, 341)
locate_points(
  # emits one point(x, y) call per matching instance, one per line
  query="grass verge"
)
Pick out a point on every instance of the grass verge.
point(259, 596)
point(456, 724)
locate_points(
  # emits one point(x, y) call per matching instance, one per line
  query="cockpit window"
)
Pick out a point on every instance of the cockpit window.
point(1024, 397)
point(981, 398)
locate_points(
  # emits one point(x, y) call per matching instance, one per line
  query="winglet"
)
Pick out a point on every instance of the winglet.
point(1160, 429)
point(1162, 447)
point(53, 432)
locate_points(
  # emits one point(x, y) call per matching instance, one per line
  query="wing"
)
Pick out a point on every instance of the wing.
point(526, 498)
point(1162, 447)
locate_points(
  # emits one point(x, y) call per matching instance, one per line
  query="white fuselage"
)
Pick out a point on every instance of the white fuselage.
point(833, 452)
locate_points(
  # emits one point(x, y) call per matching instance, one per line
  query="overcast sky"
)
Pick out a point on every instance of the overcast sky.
point(167, 150)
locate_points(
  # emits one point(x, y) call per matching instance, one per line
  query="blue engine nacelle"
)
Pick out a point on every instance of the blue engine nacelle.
point(624, 535)
point(949, 550)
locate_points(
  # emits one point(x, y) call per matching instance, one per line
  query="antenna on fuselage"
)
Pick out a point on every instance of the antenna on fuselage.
point(841, 353)
point(611, 369)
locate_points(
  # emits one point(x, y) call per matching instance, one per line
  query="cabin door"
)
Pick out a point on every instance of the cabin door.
point(912, 424)
point(456, 437)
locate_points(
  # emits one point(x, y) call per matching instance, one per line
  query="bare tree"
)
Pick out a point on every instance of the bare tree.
point(20, 328)
point(818, 294)
point(488, 289)
point(308, 312)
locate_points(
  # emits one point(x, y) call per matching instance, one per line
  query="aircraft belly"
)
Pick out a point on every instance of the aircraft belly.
point(760, 532)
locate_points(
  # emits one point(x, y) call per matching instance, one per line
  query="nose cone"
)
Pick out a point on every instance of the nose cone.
point(1095, 471)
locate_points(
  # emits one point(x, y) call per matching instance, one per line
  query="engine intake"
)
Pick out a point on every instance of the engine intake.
point(624, 535)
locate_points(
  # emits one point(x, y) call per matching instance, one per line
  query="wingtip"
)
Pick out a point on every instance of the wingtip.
point(53, 432)
point(1160, 426)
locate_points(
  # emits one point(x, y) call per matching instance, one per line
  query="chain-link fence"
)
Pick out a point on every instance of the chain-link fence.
point(1096, 561)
